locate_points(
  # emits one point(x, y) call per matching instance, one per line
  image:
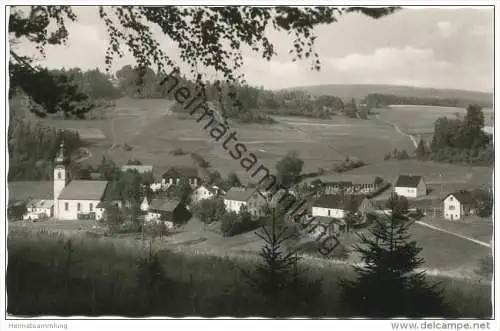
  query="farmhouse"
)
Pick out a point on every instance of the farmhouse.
point(142, 169)
point(39, 208)
point(237, 197)
point(337, 206)
point(169, 211)
point(458, 205)
point(204, 192)
point(410, 186)
point(175, 174)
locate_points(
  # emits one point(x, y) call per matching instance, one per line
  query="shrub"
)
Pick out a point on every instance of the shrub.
point(233, 224)
point(178, 151)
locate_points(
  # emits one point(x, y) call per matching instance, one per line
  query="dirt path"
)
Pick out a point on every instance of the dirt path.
point(482, 243)
point(398, 130)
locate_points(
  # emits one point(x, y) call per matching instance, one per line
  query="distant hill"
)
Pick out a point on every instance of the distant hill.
point(359, 91)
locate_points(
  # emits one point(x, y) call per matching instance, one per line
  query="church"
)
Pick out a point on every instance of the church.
point(76, 199)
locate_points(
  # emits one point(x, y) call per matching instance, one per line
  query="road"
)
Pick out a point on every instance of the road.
point(482, 243)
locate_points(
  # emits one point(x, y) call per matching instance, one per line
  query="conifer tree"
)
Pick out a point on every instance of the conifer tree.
point(388, 285)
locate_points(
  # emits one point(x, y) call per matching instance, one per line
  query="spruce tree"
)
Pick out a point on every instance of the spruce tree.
point(421, 152)
point(388, 285)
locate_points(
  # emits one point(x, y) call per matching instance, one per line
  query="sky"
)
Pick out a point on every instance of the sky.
point(432, 47)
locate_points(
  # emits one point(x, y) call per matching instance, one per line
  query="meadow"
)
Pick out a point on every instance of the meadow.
point(152, 130)
point(417, 120)
point(94, 277)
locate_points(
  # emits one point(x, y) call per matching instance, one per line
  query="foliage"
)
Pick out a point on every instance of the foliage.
point(376, 100)
point(277, 277)
point(233, 223)
point(421, 151)
point(209, 210)
point(156, 229)
point(397, 154)
point(289, 169)
point(462, 141)
point(211, 37)
point(232, 180)
point(15, 211)
point(33, 147)
point(178, 151)
point(200, 161)
point(391, 260)
point(348, 164)
point(134, 162)
point(181, 191)
point(104, 281)
point(483, 202)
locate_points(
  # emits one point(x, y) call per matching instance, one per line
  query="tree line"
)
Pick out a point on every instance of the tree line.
point(33, 147)
point(459, 140)
point(378, 100)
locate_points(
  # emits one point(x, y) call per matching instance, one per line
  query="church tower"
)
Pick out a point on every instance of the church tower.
point(59, 178)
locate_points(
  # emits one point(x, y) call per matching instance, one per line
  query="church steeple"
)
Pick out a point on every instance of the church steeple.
point(60, 154)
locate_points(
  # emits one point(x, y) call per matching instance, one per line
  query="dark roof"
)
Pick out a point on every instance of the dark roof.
point(464, 197)
point(239, 194)
point(338, 201)
point(25, 190)
point(328, 220)
point(338, 183)
point(408, 181)
point(84, 190)
point(139, 168)
point(163, 204)
point(175, 172)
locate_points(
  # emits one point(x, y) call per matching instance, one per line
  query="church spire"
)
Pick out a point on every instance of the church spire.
point(60, 153)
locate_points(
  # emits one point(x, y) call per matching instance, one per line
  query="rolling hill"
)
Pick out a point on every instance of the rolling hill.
point(359, 91)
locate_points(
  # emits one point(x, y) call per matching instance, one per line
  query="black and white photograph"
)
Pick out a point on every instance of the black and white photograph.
point(267, 160)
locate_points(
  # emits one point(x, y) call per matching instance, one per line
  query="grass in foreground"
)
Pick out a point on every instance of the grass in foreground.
point(90, 277)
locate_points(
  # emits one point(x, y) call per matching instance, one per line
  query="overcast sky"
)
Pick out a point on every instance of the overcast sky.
point(443, 48)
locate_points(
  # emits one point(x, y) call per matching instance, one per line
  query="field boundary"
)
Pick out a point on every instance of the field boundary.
point(482, 243)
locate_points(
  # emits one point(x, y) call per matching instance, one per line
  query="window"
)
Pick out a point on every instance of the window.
point(66, 206)
point(78, 206)
point(59, 176)
point(452, 207)
point(91, 207)
point(328, 212)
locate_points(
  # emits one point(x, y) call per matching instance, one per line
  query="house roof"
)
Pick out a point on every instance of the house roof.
point(239, 194)
point(139, 168)
point(84, 190)
point(211, 189)
point(175, 172)
point(408, 181)
point(41, 203)
point(25, 190)
point(163, 204)
point(338, 201)
point(464, 197)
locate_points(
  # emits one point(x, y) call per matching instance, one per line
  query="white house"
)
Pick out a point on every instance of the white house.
point(39, 208)
point(410, 186)
point(237, 197)
point(142, 169)
point(167, 211)
point(337, 206)
point(204, 192)
point(458, 205)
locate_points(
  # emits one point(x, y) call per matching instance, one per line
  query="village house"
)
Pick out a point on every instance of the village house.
point(410, 186)
point(458, 205)
point(337, 206)
point(175, 174)
point(169, 211)
point(204, 192)
point(39, 209)
point(237, 197)
point(144, 207)
point(354, 184)
point(142, 169)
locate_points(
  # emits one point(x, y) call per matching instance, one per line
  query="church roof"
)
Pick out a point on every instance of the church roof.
point(84, 190)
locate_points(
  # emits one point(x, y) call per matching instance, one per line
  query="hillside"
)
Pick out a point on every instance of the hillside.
point(359, 91)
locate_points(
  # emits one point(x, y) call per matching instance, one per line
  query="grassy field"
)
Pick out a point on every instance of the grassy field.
point(420, 119)
point(95, 277)
point(153, 131)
